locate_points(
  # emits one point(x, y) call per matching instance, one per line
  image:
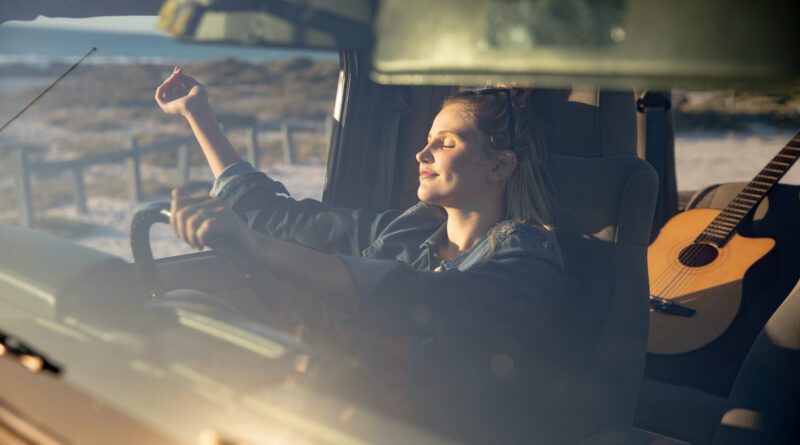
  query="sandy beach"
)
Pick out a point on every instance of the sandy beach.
point(703, 159)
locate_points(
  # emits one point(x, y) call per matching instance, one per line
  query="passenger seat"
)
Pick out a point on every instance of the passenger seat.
point(764, 405)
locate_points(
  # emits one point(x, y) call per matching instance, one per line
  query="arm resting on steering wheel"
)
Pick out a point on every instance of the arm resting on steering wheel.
point(518, 284)
point(265, 206)
point(314, 272)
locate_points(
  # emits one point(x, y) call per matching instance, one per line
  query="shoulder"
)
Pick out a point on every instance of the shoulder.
point(514, 235)
point(527, 256)
point(537, 253)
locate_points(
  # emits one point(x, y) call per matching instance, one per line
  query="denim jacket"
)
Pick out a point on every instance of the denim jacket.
point(461, 315)
point(391, 256)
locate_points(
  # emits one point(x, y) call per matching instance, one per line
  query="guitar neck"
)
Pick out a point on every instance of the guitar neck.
point(726, 222)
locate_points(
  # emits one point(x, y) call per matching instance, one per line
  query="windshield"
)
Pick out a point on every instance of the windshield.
point(206, 349)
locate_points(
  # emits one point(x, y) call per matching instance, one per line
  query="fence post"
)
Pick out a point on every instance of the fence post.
point(134, 178)
point(288, 146)
point(79, 190)
point(184, 161)
point(252, 145)
point(22, 182)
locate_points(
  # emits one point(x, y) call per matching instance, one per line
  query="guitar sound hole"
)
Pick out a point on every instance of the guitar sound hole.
point(698, 255)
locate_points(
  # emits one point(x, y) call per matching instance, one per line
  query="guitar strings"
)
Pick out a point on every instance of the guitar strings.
point(680, 281)
point(678, 285)
point(673, 279)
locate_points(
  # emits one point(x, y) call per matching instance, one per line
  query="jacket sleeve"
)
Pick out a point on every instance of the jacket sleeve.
point(265, 206)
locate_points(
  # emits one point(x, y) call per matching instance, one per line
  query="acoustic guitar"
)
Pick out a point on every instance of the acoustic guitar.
point(698, 261)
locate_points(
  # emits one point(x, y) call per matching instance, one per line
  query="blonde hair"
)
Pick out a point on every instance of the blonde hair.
point(529, 197)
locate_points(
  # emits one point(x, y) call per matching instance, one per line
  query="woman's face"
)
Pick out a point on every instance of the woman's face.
point(453, 167)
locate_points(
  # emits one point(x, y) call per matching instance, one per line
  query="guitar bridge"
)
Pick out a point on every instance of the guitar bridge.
point(669, 307)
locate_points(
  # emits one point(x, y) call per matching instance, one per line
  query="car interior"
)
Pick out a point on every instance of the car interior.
point(611, 159)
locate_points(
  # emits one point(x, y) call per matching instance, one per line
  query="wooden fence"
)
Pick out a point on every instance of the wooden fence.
point(131, 155)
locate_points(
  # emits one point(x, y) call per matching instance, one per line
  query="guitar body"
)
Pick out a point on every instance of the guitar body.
point(713, 290)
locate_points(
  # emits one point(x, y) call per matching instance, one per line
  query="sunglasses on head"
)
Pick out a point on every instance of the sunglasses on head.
point(509, 110)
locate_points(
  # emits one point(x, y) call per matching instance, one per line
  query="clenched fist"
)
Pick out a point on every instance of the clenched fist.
point(182, 95)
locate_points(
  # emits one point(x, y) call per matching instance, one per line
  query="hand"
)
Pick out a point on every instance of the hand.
point(182, 95)
point(196, 220)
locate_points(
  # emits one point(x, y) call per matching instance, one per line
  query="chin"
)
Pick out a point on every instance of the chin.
point(428, 198)
point(424, 196)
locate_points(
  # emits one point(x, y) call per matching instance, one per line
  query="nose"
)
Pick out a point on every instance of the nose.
point(425, 156)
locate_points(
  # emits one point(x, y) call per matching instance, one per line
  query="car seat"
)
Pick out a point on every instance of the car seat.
point(589, 360)
point(763, 405)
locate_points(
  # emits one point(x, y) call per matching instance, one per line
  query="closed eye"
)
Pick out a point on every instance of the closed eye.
point(444, 139)
point(448, 144)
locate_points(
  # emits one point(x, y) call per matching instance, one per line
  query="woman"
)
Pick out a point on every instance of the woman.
point(468, 273)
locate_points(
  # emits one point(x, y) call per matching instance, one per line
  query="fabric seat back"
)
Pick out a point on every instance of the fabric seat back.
point(591, 357)
point(764, 405)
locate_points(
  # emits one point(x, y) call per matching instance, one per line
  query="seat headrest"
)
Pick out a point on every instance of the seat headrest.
point(587, 123)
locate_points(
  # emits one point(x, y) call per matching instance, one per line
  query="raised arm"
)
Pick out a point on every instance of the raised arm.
point(184, 96)
point(256, 197)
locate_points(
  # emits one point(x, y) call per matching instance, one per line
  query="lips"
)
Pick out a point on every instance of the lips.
point(426, 174)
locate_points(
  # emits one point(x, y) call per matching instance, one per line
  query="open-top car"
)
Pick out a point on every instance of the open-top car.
point(643, 345)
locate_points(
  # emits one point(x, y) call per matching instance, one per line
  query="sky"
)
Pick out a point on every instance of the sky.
point(141, 24)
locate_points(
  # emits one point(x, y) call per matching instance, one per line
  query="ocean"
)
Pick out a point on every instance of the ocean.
point(41, 46)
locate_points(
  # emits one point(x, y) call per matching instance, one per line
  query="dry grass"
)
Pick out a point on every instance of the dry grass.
point(7, 200)
point(99, 108)
point(54, 192)
point(165, 190)
point(101, 104)
point(737, 111)
point(311, 147)
point(48, 193)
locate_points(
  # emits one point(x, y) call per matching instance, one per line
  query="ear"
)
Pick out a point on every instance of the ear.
point(504, 164)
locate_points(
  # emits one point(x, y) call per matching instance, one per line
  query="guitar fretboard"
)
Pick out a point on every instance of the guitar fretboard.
point(726, 222)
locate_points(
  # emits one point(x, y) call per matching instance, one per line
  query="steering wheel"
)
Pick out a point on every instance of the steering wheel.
point(156, 212)
point(336, 353)
point(283, 311)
